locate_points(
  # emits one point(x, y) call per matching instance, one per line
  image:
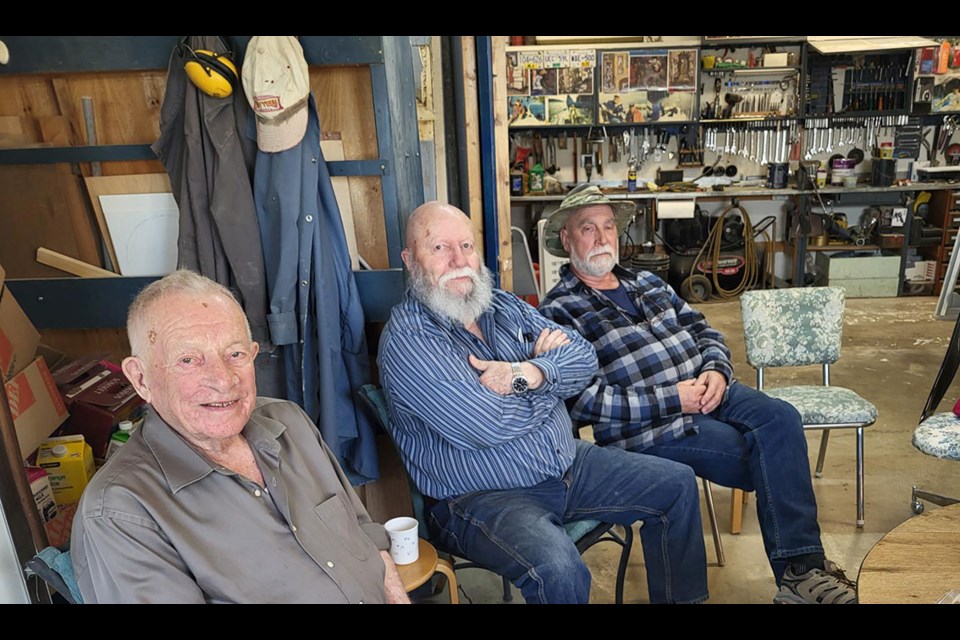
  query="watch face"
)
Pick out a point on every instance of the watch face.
point(520, 385)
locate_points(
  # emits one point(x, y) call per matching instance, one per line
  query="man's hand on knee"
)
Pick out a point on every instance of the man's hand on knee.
point(716, 386)
point(690, 392)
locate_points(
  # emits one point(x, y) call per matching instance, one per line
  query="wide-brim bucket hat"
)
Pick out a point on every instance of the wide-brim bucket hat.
point(585, 195)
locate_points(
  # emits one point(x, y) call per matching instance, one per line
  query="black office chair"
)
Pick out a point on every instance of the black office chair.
point(584, 533)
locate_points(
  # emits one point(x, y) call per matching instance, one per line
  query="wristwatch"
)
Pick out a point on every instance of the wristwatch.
point(519, 383)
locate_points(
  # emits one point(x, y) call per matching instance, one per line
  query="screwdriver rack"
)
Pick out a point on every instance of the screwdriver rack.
point(845, 85)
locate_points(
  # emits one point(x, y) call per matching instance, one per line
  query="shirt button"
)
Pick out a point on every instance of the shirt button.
point(293, 528)
point(558, 451)
point(308, 218)
point(257, 492)
point(330, 564)
point(313, 160)
point(360, 602)
point(303, 283)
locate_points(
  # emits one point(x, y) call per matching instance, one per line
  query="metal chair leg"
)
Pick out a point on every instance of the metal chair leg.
point(825, 436)
point(859, 477)
point(714, 527)
point(626, 545)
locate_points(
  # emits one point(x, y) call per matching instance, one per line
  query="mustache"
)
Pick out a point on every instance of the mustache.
point(599, 251)
point(463, 272)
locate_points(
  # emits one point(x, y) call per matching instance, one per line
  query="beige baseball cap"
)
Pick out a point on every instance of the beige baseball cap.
point(277, 84)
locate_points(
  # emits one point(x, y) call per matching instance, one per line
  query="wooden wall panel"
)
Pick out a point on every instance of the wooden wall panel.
point(345, 104)
point(74, 343)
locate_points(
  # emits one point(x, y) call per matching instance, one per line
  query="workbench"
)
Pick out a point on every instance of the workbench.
point(798, 247)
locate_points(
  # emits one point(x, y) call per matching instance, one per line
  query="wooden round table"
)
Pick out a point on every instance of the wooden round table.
point(428, 563)
point(918, 562)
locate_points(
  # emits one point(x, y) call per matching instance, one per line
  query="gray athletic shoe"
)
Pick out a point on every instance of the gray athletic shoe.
point(817, 586)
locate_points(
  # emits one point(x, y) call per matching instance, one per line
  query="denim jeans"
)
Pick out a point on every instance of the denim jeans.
point(756, 443)
point(518, 533)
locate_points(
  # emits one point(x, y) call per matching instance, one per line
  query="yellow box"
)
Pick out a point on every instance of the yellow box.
point(68, 461)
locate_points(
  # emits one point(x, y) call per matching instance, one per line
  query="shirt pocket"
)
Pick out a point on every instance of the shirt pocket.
point(342, 523)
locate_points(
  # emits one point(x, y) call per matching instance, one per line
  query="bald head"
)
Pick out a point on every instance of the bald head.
point(428, 215)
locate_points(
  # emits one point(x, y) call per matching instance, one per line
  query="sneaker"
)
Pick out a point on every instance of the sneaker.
point(817, 586)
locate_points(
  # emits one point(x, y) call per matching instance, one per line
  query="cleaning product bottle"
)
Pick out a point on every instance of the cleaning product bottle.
point(537, 185)
point(119, 437)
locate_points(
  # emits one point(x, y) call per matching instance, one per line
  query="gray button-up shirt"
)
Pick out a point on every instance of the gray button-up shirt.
point(160, 523)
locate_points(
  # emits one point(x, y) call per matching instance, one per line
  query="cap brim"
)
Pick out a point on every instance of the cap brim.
point(273, 136)
point(623, 213)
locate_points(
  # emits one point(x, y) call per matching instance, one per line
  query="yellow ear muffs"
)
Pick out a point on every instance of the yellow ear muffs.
point(211, 72)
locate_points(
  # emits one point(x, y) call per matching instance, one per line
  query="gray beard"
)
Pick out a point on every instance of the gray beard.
point(463, 310)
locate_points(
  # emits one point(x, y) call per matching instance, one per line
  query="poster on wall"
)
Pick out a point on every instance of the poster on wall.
point(571, 109)
point(683, 68)
point(647, 86)
point(648, 72)
point(945, 96)
point(518, 78)
point(551, 87)
point(527, 111)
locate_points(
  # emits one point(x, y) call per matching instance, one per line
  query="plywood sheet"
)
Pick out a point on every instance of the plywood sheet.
point(116, 185)
point(43, 205)
point(144, 229)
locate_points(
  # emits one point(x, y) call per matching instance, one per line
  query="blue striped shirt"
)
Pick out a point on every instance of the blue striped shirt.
point(632, 402)
point(454, 435)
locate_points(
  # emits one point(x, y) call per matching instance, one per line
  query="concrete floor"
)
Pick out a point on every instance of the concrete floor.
point(892, 349)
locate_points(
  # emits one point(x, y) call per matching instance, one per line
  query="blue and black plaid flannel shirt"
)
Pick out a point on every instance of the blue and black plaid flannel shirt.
point(632, 402)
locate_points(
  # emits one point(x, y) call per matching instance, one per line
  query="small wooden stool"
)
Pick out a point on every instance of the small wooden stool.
point(417, 573)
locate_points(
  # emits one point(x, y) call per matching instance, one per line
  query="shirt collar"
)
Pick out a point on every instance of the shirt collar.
point(183, 465)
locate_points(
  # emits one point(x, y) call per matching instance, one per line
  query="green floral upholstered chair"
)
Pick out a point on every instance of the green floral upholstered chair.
point(938, 434)
point(800, 327)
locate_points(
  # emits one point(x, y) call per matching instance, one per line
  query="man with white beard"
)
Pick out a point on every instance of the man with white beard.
point(475, 381)
point(665, 388)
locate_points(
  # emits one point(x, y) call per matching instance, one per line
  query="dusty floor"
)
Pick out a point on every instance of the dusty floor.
point(892, 349)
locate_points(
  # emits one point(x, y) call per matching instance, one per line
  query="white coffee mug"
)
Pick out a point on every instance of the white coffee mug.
point(404, 541)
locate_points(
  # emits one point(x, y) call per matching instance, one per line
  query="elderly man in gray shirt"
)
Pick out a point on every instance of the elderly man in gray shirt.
point(221, 496)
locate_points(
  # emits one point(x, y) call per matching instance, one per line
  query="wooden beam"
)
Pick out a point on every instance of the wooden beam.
point(439, 123)
point(474, 204)
point(502, 150)
point(13, 479)
point(71, 265)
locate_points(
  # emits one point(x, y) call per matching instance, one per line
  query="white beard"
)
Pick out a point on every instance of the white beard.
point(464, 309)
point(598, 263)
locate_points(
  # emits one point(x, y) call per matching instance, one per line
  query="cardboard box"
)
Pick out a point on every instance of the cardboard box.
point(76, 375)
point(68, 461)
point(18, 338)
point(99, 408)
point(36, 405)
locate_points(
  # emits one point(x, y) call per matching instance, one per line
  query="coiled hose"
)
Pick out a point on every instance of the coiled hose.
point(751, 267)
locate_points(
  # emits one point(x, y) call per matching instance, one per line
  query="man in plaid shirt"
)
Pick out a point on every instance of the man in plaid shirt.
point(665, 387)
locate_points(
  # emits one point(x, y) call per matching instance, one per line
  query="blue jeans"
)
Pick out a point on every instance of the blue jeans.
point(756, 443)
point(518, 533)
